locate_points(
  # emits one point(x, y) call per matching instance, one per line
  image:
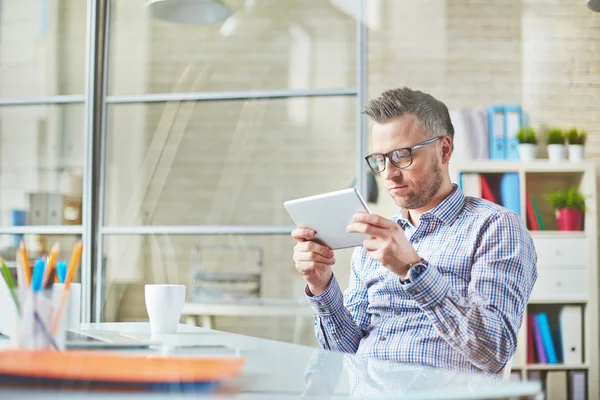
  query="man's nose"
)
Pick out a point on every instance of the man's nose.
point(390, 171)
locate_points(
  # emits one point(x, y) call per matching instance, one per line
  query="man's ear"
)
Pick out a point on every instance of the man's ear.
point(447, 149)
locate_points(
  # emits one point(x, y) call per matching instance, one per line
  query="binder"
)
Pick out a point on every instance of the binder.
point(547, 340)
point(556, 385)
point(570, 323)
point(531, 218)
point(539, 344)
point(37, 208)
point(509, 191)
point(496, 132)
point(513, 122)
point(577, 389)
point(504, 123)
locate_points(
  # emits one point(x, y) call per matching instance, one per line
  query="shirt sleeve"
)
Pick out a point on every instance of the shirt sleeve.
point(341, 319)
point(484, 324)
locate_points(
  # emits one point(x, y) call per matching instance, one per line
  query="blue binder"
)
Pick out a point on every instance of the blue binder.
point(504, 123)
point(546, 334)
point(509, 191)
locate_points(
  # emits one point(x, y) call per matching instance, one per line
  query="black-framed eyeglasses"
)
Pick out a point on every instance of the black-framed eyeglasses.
point(400, 158)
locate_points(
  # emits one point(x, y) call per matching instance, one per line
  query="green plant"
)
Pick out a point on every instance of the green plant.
point(526, 135)
point(570, 198)
point(556, 136)
point(576, 137)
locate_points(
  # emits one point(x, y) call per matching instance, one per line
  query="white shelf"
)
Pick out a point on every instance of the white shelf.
point(490, 166)
point(560, 234)
point(553, 367)
point(581, 300)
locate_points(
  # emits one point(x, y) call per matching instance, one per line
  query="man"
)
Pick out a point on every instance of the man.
point(443, 283)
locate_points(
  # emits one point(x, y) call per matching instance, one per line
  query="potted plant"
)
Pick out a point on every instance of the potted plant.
point(556, 144)
point(527, 143)
point(569, 208)
point(576, 140)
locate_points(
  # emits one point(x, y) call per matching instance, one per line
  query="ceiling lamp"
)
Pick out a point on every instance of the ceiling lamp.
point(189, 12)
point(594, 5)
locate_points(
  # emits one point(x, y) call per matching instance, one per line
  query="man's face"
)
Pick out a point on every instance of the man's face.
point(415, 186)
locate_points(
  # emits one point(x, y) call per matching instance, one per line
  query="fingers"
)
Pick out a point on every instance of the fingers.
point(312, 247)
point(371, 230)
point(371, 244)
point(313, 257)
point(373, 219)
point(303, 234)
point(310, 268)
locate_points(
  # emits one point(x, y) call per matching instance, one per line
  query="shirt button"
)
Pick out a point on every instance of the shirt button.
point(321, 309)
point(382, 338)
point(397, 313)
point(416, 241)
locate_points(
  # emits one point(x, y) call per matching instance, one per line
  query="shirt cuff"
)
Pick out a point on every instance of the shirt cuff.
point(328, 302)
point(429, 288)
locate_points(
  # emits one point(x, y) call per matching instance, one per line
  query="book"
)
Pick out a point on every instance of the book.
point(547, 339)
point(539, 344)
point(530, 341)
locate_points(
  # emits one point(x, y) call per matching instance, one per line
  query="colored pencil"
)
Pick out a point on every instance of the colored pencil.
point(25, 263)
point(51, 265)
point(10, 283)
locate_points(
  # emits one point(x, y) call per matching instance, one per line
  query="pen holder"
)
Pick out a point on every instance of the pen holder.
point(41, 323)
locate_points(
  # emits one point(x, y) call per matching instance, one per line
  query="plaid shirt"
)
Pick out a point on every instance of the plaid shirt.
point(462, 312)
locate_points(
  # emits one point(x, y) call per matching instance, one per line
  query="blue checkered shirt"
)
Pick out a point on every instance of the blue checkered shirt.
point(463, 311)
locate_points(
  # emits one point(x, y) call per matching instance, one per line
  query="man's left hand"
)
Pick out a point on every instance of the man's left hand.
point(387, 244)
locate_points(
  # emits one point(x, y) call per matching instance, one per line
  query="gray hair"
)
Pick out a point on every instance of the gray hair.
point(431, 114)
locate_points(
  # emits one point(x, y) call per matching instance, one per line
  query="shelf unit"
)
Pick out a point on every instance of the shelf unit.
point(571, 256)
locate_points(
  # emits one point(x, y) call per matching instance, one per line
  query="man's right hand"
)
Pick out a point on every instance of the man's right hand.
point(313, 261)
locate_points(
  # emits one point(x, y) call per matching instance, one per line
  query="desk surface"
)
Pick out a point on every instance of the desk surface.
point(276, 370)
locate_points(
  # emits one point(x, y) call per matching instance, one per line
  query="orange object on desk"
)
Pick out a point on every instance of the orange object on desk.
point(113, 367)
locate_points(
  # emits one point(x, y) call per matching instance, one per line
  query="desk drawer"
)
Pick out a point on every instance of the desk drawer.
point(560, 283)
point(561, 251)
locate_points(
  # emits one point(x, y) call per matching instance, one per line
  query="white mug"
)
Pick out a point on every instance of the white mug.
point(164, 304)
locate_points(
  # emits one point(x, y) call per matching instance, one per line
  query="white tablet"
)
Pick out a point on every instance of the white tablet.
point(328, 215)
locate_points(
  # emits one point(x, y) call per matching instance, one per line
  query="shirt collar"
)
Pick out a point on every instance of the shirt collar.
point(447, 211)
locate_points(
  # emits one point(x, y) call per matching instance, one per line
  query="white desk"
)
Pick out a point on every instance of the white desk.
point(276, 370)
point(203, 313)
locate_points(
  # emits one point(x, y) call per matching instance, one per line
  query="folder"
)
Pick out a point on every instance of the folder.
point(577, 389)
point(504, 123)
point(486, 190)
point(513, 122)
point(509, 191)
point(547, 339)
point(556, 385)
point(539, 344)
point(531, 218)
point(570, 323)
point(496, 132)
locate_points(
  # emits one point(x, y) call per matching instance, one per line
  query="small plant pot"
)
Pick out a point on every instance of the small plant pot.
point(569, 219)
point(575, 152)
point(556, 152)
point(527, 151)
